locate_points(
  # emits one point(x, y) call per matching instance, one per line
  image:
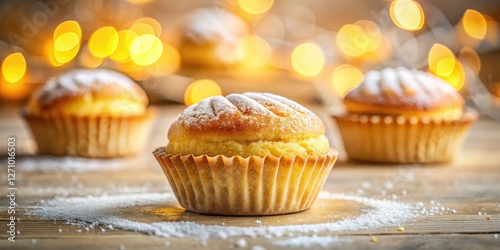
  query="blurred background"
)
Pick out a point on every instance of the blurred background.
point(312, 51)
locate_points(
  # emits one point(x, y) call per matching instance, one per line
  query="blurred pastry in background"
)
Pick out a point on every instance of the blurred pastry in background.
point(398, 115)
point(207, 37)
point(95, 113)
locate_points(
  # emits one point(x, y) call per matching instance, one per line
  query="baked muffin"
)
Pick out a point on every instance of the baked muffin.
point(90, 113)
point(208, 37)
point(398, 115)
point(246, 154)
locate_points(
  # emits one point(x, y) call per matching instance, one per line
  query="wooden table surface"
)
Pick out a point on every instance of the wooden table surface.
point(470, 185)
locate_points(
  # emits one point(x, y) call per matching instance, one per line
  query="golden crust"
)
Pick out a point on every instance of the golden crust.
point(110, 91)
point(88, 91)
point(404, 92)
point(243, 120)
point(444, 111)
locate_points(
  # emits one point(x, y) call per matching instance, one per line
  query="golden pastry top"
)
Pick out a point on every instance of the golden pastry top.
point(248, 116)
point(89, 92)
point(401, 91)
point(247, 124)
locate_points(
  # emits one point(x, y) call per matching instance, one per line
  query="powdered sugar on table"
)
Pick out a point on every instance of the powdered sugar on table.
point(105, 211)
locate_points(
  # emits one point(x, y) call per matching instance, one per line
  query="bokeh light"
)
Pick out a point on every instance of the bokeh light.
point(201, 89)
point(253, 52)
point(63, 57)
point(474, 24)
point(67, 37)
point(69, 26)
point(441, 60)
point(14, 67)
point(255, 6)
point(66, 42)
point(352, 40)
point(103, 41)
point(146, 49)
point(52, 57)
point(308, 59)
point(346, 77)
point(66, 47)
point(122, 51)
point(359, 39)
point(442, 63)
point(407, 14)
point(456, 78)
point(146, 25)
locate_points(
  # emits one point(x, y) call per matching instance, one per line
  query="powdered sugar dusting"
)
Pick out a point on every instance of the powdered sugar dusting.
point(401, 85)
point(369, 87)
point(107, 210)
point(246, 107)
point(410, 85)
point(390, 81)
point(78, 81)
point(67, 164)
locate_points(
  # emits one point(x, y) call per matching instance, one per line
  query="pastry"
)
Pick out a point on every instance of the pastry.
point(208, 37)
point(90, 113)
point(398, 115)
point(246, 154)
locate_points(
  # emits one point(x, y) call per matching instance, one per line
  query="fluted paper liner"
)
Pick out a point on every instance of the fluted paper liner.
point(403, 140)
point(245, 186)
point(94, 137)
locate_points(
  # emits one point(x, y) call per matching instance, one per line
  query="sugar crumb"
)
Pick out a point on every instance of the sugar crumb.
point(241, 243)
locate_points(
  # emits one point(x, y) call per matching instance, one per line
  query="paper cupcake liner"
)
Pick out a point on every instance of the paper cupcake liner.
point(390, 139)
point(245, 186)
point(94, 137)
